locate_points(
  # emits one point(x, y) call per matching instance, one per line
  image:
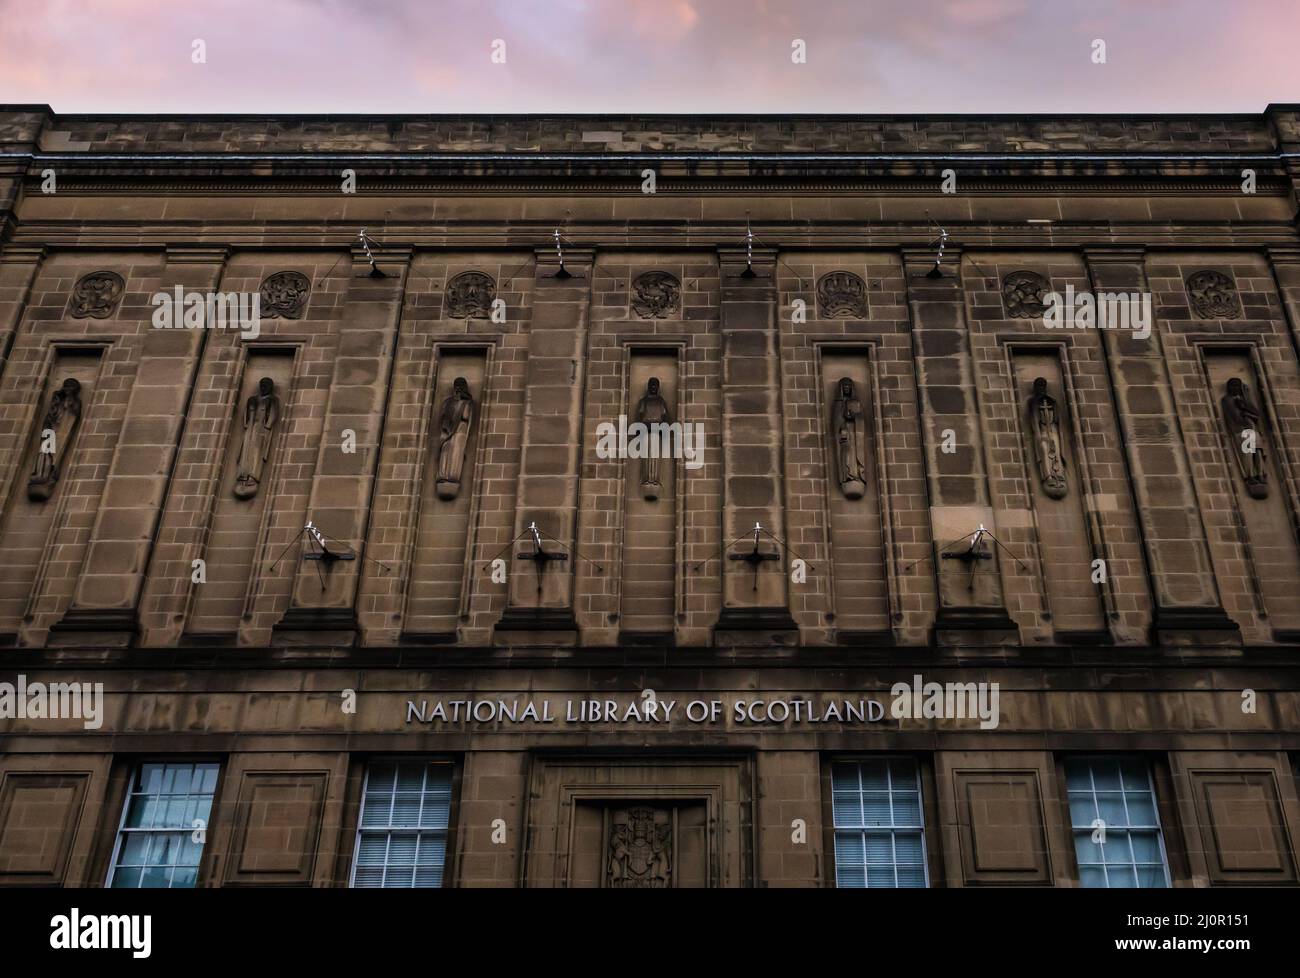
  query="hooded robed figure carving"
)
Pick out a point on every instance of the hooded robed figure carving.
point(454, 423)
point(57, 428)
point(846, 428)
point(652, 409)
point(1245, 428)
point(1045, 427)
point(261, 415)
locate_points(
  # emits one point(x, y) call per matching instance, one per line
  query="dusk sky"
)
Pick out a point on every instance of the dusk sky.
point(863, 56)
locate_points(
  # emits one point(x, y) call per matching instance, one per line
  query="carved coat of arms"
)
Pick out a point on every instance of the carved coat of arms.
point(640, 850)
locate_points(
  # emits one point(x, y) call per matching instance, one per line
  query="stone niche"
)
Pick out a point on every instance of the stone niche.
point(43, 480)
point(1258, 486)
point(856, 529)
point(447, 504)
point(1057, 493)
point(239, 511)
point(650, 490)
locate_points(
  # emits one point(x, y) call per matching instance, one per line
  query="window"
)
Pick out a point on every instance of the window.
point(1116, 829)
point(879, 837)
point(405, 812)
point(166, 806)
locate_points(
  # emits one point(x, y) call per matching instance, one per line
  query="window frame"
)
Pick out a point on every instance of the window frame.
point(1157, 806)
point(449, 832)
point(133, 767)
point(926, 796)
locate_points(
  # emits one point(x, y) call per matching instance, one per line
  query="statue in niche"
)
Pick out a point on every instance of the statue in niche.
point(261, 414)
point(846, 420)
point(57, 428)
point(454, 423)
point(1244, 424)
point(1045, 428)
point(640, 851)
point(652, 409)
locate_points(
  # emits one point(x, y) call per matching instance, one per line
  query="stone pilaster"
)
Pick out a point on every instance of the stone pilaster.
point(112, 573)
point(970, 590)
point(18, 267)
point(1173, 534)
point(1285, 264)
point(541, 587)
point(340, 500)
point(755, 593)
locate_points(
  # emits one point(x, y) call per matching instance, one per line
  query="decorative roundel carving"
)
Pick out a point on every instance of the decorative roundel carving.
point(1024, 294)
point(470, 296)
point(658, 295)
point(1213, 295)
point(284, 295)
point(96, 295)
point(842, 295)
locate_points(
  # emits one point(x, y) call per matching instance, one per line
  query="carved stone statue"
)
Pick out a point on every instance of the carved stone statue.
point(57, 428)
point(261, 414)
point(1045, 428)
point(640, 851)
point(1245, 427)
point(454, 422)
point(846, 425)
point(652, 409)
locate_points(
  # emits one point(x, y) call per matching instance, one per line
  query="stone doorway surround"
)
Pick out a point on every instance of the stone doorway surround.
point(619, 822)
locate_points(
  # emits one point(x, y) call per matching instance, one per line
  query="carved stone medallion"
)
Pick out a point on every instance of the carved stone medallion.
point(1213, 295)
point(96, 295)
point(657, 295)
point(842, 295)
point(284, 295)
point(1024, 294)
point(640, 849)
point(470, 296)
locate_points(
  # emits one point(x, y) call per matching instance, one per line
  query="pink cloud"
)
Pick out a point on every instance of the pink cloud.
point(886, 56)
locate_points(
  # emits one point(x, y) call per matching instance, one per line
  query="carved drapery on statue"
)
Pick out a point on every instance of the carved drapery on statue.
point(57, 430)
point(1049, 452)
point(847, 434)
point(1213, 295)
point(640, 849)
point(284, 295)
point(261, 415)
point(652, 409)
point(842, 295)
point(1244, 424)
point(454, 423)
point(657, 295)
point(1024, 294)
point(470, 296)
point(96, 295)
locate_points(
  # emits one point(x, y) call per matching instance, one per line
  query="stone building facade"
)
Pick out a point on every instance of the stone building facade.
point(519, 654)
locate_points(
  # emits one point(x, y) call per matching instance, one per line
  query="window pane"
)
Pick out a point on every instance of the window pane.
point(876, 808)
point(164, 796)
point(1120, 792)
point(404, 816)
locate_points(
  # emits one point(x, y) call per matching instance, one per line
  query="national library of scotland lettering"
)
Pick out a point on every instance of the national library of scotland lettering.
point(649, 501)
